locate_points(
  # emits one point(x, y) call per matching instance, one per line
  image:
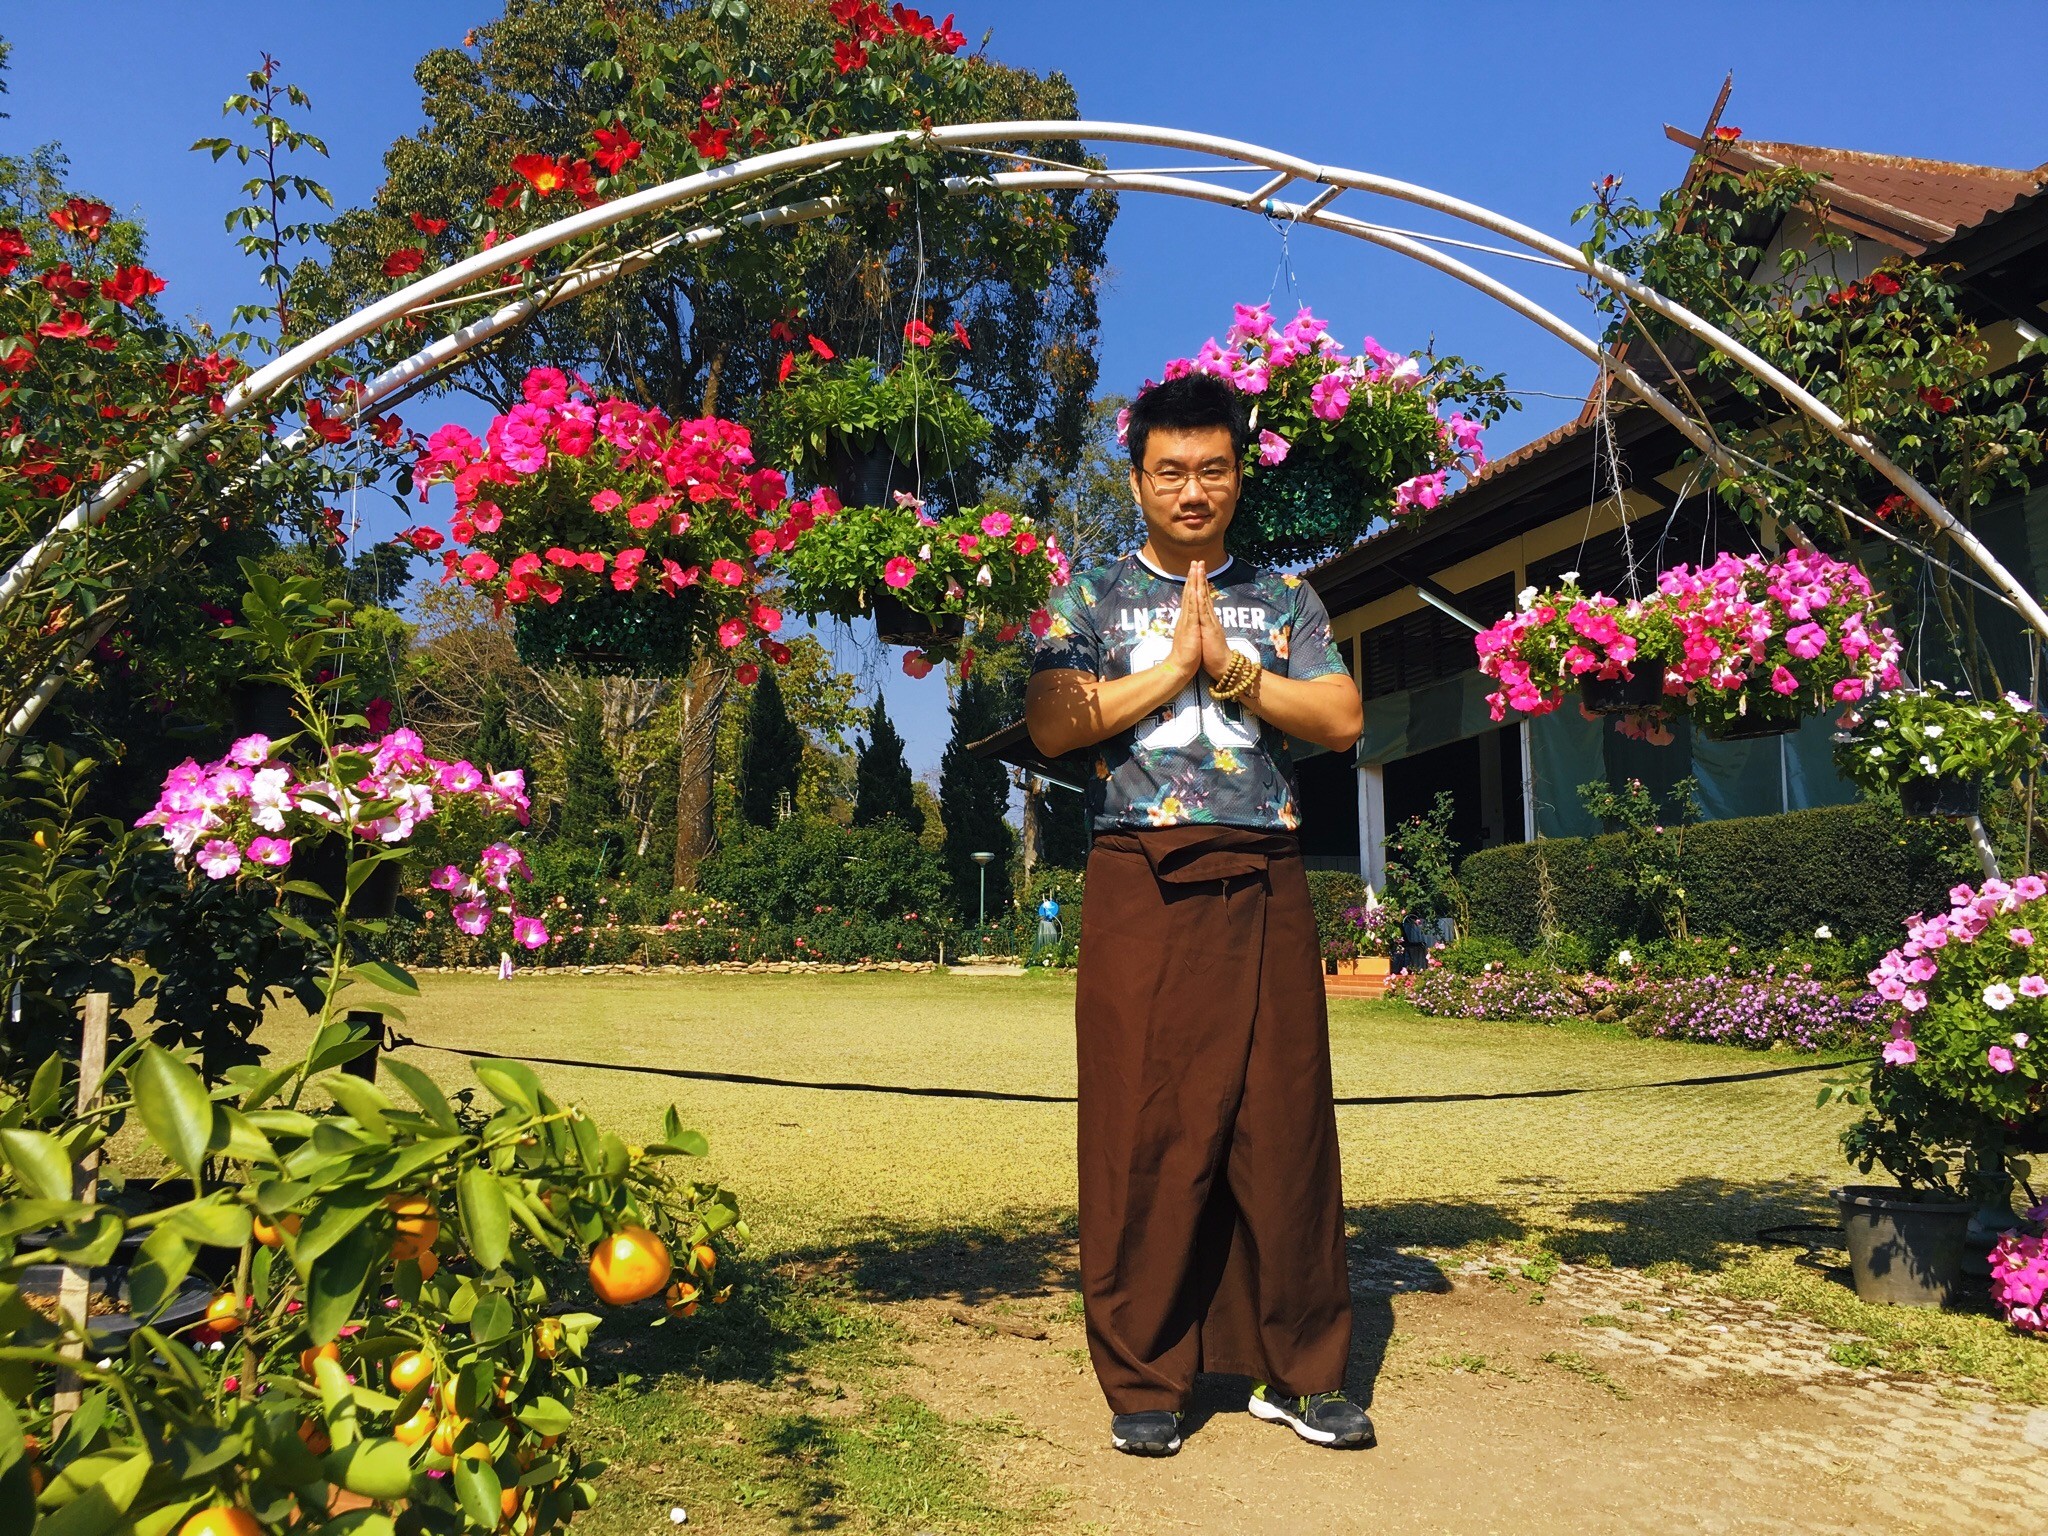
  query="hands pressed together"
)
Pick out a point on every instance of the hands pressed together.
point(1199, 644)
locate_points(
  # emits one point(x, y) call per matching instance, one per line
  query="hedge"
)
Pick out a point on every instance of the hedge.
point(1757, 880)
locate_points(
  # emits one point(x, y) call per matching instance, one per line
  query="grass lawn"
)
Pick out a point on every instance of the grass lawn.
point(777, 1412)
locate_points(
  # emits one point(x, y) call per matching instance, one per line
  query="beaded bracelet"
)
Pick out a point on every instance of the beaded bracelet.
point(1237, 680)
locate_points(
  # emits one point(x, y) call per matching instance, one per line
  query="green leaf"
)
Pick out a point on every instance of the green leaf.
point(217, 1222)
point(166, 1519)
point(291, 924)
point(174, 1107)
point(486, 1220)
point(511, 1083)
point(39, 1162)
point(336, 1283)
point(492, 1319)
point(101, 1507)
point(361, 1101)
point(377, 1469)
point(425, 1092)
point(241, 1139)
point(160, 1266)
point(46, 1087)
point(384, 974)
point(478, 1489)
point(340, 1214)
point(17, 1496)
point(545, 1416)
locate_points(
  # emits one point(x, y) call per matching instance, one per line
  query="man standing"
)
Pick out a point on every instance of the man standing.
point(1212, 1218)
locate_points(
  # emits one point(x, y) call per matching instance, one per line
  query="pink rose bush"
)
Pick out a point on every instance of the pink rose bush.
point(1730, 638)
point(251, 811)
point(1378, 424)
point(1971, 999)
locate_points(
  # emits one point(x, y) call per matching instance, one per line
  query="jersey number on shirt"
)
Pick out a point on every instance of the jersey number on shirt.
point(1192, 715)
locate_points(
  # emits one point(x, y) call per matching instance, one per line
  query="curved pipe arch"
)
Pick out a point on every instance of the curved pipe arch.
point(431, 362)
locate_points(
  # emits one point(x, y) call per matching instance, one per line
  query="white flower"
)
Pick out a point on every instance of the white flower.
point(1571, 576)
point(2022, 1041)
point(1624, 957)
point(1986, 714)
point(1882, 725)
point(1877, 751)
point(1526, 598)
point(984, 577)
point(1935, 732)
point(924, 552)
point(1929, 763)
point(1823, 932)
point(1998, 997)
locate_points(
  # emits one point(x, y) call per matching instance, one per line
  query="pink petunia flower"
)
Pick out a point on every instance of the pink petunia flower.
point(219, 857)
point(1998, 996)
point(996, 524)
point(251, 751)
point(1999, 1057)
point(1273, 448)
point(2034, 986)
point(899, 571)
point(2021, 936)
point(1899, 1051)
point(271, 852)
point(529, 932)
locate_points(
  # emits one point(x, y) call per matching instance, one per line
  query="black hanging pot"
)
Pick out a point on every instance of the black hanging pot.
point(262, 709)
point(897, 624)
point(1945, 794)
point(867, 477)
point(643, 633)
point(1624, 695)
point(1766, 712)
point(324, 862)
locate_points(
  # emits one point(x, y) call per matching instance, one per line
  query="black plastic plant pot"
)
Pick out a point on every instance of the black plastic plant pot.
point(325, 863)
point(867, 477)
point(628, 634)
point(897, 624)
point(1905, 1246)
point(42, 1283)
point(1946, 794)
point(1624, 695)
point(1766, 712)
point(261, 709)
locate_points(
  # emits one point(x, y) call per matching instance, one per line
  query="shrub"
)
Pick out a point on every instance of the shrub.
point(1331, 892)
point(790, 872)
point(1758, 880)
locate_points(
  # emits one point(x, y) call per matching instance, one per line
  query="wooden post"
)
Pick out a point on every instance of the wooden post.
point(75, 1292)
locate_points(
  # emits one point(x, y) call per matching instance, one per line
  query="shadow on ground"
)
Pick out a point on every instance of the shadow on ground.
point(822, 1296)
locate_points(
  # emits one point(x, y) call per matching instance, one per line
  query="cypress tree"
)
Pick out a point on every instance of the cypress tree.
point(974, 796)
point(496, 745)
point(590, 787)
point(1062, 828)
point(772, 760)
point(882, 777)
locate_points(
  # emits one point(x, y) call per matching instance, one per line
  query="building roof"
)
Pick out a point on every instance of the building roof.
point(1991, 220)
point(1908, 203)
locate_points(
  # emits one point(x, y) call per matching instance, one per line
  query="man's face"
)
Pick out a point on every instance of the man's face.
point(1188, 488)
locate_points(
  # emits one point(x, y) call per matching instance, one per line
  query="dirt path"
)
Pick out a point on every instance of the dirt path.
point(1612, 1403)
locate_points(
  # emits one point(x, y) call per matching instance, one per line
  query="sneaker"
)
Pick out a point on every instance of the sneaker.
point(1327, 1418)
point(1146, 1434)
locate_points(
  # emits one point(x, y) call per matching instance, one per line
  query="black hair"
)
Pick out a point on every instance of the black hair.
point(1185, 404)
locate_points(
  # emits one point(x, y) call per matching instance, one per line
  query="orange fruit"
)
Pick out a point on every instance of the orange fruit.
point(418, 1225)
point(314, 1433)
point(448, 1395)
point(706, 1257)
point(446, 1433)
point(271, 1234)
point(221, 1520)
point(681, 1295)
point(630, 1265)
point(410, 1369)
point(547, 1338)
point(416, 1428)
point(508, 1501)
point(428, 1263)
point(224, 1315)
point(307, 1357)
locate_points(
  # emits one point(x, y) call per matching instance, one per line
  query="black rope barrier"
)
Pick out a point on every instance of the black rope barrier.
point(994, 1095)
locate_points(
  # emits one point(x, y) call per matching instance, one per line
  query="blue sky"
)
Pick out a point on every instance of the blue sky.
point(1515, 106)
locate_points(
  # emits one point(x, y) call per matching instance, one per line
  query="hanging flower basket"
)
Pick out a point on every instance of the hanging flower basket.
point(609, 634)
point(1642, 689)
point(1341, 442)
point(613, 533)
point(1944, 795)
point(324, 862)
point(257, 708)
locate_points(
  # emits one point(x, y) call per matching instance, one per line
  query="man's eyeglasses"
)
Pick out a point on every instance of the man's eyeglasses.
point(1172, 479)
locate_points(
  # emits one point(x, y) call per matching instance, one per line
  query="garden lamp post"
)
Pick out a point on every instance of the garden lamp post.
point(984, 860)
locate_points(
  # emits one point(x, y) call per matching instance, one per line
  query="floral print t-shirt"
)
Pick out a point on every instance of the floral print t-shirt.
point(1195, 760)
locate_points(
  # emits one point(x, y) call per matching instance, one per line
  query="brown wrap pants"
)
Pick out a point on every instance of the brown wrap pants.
point(1212, 1217)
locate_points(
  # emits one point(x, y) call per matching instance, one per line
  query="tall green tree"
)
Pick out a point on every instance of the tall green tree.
point(1062, 827)
point(772, 761)
point(974, 798)
point(590, 784)
point(497, 744)
point(882, 777)
point(704, 329)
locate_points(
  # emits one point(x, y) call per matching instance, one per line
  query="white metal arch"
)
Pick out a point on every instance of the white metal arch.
point(444, 288)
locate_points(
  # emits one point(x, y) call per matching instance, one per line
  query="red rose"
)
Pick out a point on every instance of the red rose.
point(131, 285)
